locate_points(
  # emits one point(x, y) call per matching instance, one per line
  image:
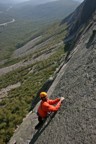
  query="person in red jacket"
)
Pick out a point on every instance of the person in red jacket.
point(46, 106)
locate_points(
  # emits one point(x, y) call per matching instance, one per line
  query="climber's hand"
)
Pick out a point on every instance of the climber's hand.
point(62, 98)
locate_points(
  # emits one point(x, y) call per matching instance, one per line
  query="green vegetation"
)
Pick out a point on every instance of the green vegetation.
point(15, 35)
point(54, 31)
point(18, 103)
point(4, 17)
point(15, 108)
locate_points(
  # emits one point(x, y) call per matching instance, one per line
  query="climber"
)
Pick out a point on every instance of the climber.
point(46, 106)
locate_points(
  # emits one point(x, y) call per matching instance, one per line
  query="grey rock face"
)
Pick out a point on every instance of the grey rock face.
point(80, 17)
point(75, 122)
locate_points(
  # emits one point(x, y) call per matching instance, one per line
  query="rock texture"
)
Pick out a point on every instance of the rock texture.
point(75, 122)
point(80, 16)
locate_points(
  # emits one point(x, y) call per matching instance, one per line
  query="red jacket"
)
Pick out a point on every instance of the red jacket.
point(47, 106)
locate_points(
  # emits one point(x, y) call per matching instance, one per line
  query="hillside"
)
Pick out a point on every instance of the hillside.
point(4, 17)
point(28, 68)
point(75, 122)
point(44, 12)
point(28, 21)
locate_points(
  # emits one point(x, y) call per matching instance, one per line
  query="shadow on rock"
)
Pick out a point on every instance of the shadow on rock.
point(42, 128)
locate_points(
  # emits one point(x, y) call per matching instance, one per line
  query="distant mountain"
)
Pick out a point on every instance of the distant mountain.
point(6, 2)
point(44, 12)
point(3, 7)
point(38, 2)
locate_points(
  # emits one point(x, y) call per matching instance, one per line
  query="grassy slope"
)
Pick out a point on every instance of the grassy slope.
point(21, 31)
point(12, 114)
point(18, 32)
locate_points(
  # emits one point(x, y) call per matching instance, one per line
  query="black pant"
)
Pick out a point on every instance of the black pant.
point(40, 119)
